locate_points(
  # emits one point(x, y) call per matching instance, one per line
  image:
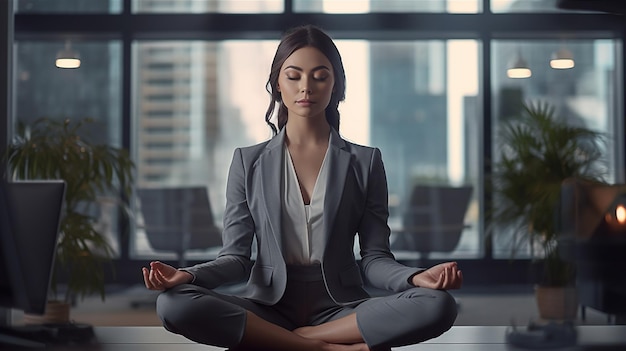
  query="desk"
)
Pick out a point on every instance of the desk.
point(464, 338)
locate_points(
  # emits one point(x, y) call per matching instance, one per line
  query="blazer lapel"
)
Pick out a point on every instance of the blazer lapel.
point(271, 173)
point(271, 176)
point(339, 161)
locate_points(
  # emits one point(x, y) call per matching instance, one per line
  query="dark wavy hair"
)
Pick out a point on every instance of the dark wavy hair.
point(294, 39)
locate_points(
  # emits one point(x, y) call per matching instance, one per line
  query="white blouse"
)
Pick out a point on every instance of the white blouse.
point(302, 225)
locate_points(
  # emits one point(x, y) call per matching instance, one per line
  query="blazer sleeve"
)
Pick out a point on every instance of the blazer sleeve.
point(233, 261)
point(379, 266)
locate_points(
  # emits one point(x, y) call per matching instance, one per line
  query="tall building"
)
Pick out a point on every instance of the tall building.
point(176, 99)
point(408, 112)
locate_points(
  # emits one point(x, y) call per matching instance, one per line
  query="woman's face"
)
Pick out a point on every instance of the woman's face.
point(306, 83)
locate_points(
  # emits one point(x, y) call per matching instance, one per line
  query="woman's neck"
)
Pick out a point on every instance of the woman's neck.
point(303, 131)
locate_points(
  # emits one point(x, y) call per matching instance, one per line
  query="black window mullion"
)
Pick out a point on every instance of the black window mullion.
point(622, 109)
point(126, 114)
point(288, 6)
point(126, 7)
point(487, 201)
point(6, 45)
point(261, 26)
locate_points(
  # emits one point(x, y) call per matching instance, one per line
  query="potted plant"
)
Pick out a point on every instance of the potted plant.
point(537, 151)
point(52, 149)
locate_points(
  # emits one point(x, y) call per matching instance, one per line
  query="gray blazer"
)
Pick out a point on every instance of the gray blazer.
point(355, 202)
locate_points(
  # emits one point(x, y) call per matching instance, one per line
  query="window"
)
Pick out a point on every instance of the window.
point(546, 6)
point(424, 108)
point(584, 94)
point(207, 6)
point(416, 100)
point(364, 6)
point(224, 109)
point(426, 83)
point(68, 6)
point(91, 91)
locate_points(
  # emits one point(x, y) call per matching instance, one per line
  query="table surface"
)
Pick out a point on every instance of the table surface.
point(471, 338)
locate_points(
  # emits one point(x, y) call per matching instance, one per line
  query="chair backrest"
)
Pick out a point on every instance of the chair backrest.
point(434, 218)
point(178, 219)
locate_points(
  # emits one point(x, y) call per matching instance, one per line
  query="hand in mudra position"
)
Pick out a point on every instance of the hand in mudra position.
point(162, 276)
point(444, 276)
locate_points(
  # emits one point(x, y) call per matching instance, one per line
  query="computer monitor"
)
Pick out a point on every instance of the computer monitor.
point(30, 216)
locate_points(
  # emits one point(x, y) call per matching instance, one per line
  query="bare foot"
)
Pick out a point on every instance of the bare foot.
point(309, 333)
point(326, 347)
point(352, 347)
point(303, 331)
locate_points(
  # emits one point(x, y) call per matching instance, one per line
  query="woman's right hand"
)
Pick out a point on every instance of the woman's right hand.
point(162, 276)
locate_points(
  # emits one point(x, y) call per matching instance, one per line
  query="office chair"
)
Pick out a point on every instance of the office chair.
point(433, 220)
point(178, 220)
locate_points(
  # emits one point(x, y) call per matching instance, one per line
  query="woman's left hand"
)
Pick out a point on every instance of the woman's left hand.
point(444, 276)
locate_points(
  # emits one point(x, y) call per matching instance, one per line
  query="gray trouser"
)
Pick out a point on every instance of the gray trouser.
point(405, 318)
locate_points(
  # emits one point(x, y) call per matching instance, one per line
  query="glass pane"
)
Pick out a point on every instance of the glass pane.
point(196, 102)
point(365, 6)
point(91, 91)
point(417, 100)
point(503, 6)
point(68, 6)
point(207, 6)
point(424, 116)
point(588, 94)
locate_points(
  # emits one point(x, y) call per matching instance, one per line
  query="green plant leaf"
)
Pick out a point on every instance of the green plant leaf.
point(537, 151)
point(54, 149)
